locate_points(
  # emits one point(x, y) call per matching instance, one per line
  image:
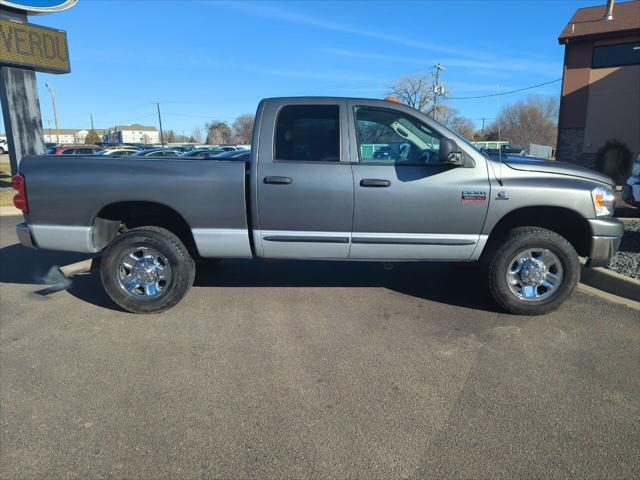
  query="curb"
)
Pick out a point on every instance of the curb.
point(612, 284)
point(609, 297)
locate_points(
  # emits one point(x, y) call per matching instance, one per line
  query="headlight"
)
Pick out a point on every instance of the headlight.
point(604, 201)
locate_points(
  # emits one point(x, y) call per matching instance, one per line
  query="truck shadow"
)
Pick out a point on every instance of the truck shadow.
point(459, 284)
point(451, 283)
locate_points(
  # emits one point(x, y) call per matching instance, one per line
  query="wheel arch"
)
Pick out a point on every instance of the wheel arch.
point(117, 217)
point(564, 221)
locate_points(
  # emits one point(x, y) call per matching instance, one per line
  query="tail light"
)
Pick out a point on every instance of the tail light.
point(20, 198)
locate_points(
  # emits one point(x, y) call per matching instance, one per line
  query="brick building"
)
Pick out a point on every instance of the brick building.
point(601, 82)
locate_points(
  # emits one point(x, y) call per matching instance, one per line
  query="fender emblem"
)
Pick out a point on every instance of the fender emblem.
point(473, 196)
point(502, 195)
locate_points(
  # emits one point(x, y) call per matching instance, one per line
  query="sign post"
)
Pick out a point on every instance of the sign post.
point(24, 49)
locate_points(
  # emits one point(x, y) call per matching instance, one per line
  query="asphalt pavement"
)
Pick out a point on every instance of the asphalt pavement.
point(291, 369)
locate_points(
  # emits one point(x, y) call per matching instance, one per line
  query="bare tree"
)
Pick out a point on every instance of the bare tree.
point(451, 118)
point(534, 120)
point(218, 133)
point(197, 134)
point(170, 136)
point(243, 129)
point(414, 90)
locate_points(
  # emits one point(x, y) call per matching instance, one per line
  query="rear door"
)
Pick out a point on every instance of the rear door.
point(303, 179)
point(407, 204)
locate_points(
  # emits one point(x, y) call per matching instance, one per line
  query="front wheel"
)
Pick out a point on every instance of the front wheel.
point(533, 271)
point(147, 270)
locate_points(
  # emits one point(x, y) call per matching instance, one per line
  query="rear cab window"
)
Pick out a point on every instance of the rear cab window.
point(308, 133)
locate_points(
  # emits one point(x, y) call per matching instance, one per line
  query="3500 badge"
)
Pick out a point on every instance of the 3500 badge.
point(474, 196)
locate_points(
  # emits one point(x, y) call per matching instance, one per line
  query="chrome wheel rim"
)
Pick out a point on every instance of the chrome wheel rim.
point(534, 274)
point(143, 272)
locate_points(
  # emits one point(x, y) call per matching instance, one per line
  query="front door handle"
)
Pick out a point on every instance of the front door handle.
point(374, 182)
point(278, 180)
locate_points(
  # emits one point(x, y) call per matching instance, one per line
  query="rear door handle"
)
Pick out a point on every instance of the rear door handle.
point(278, 180)
point(374, 182)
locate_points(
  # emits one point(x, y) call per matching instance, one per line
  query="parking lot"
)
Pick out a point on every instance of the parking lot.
point(311, 369)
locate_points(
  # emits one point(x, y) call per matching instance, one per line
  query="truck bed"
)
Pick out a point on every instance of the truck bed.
point(210, 195)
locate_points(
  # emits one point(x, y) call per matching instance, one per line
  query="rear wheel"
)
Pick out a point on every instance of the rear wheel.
point(533, 271)
point(147, 270)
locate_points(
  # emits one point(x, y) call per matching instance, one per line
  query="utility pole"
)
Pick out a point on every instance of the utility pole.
point(483, 128)
point(160, 122)
point(55, 115)
point(92, 122)
point(437, 89)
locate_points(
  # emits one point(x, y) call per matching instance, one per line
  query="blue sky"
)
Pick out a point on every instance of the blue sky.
point(207, 60)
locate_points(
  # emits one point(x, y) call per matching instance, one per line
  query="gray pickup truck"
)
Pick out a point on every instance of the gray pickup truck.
point(330, 179)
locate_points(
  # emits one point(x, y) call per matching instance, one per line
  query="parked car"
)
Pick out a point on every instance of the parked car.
point(158, 152)
point(504, 150)
point(309, 192)
point(122, 146)
point(631, 188)
point(74, 150)
point(118, 152)
point(241, 155)
point(4, 148)
point(382, 153)
point(203, 153)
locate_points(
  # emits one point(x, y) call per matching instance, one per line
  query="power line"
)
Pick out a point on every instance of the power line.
point(505, 93)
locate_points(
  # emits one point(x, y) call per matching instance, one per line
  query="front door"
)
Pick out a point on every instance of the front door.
point(304, 181)
point(407, 204)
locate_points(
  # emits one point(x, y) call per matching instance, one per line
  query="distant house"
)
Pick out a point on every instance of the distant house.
point(135, 133)
point(601, 83)
point(65, 135)
point(68, 136)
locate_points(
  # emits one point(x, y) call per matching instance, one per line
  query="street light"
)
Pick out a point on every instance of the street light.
point(55, 115)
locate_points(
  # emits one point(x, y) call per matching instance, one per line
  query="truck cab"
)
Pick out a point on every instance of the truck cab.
point(320, 192)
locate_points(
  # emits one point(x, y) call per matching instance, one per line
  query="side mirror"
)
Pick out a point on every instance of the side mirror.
point(450, 153)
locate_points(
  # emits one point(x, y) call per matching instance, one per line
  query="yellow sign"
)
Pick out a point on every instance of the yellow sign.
point(32, 46)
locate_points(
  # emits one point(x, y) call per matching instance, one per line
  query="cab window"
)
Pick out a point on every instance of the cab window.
point(308, 133)
point(391, 137)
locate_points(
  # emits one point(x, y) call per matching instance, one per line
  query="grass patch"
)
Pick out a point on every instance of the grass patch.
point(6, 199)
point(5, 174)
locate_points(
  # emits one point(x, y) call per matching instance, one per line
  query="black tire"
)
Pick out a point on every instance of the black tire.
point(169, 246)
point(496, 264)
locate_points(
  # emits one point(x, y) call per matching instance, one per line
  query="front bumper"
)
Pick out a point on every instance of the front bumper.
point(606, 235)
point(24, 235)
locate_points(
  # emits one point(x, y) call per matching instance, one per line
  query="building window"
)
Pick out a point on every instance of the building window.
point(308, 133)
point(616, 55)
